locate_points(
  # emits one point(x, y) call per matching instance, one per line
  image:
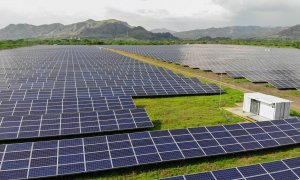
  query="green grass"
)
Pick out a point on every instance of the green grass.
point(294, 113)
point(268, 85)
point(190, 111)
point(295, 93)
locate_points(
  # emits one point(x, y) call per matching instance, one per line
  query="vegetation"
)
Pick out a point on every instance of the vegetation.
point(14, 44)
point(268, 43)
point(191, 111)
point(294, 113)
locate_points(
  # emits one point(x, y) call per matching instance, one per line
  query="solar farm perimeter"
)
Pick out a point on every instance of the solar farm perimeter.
point(88, 112)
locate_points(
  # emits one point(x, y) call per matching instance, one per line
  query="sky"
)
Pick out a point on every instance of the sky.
point(178, 15)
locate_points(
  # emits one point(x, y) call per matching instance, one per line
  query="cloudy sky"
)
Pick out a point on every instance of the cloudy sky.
point(172, 14)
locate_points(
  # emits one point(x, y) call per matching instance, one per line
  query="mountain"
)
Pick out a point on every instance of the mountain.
point(233, 32)
point(22, 31)
point(290, 33)
point(162, 30)
point(115, 29)
point(107, 29)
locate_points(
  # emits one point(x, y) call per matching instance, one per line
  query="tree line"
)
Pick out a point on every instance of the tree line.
point(30, 42)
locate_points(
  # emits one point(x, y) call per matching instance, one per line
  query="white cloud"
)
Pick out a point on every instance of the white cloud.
point(173, 14)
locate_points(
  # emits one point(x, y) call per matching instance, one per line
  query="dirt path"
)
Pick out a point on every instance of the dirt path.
point(222, 80)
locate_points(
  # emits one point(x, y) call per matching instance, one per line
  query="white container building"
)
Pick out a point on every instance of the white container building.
point(266, 106)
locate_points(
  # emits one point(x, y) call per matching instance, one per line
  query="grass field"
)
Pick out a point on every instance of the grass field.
point(191, 111)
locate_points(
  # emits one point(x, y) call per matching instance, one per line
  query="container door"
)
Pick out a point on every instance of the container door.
point(282, 110)
point(254, 106)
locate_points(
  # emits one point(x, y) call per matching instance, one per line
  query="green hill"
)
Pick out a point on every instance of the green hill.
point(233, 32)
point(107, 29)
point(290, 33)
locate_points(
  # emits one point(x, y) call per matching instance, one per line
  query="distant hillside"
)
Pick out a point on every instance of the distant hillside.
point(233, 32)
point(162, 30)
point(290, 33)
point(107, 29)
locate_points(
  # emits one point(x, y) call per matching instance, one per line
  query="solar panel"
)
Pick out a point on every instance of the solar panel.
point(43, 69)
point(76, 83)
point(285, 84)
point(34, 126)
point(64, 105)
point(283, 169)
point(256, 64)
point(134, 91)
point(54, 91)
point(69, 156)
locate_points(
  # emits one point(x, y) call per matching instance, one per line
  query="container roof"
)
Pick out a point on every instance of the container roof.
point(266, 98)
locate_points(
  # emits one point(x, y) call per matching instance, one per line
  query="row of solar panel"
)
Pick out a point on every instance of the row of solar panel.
point(102, 83)
point(130, 67)
point(88, 75)
point(65, 105)
point(60, 76)
point(136, 91)
point(100, 76)
point(288, 169)
point(80, 74)
point(286, 84)
point(69, 156)
point(21, 127)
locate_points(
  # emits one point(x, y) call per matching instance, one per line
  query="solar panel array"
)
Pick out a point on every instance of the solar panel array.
point(280, 67)
point(65, 105)
point(64, 90)
point(283, 169)
point(33, 126)
point(55, 91)
point(134, 91)
point(69, 156)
